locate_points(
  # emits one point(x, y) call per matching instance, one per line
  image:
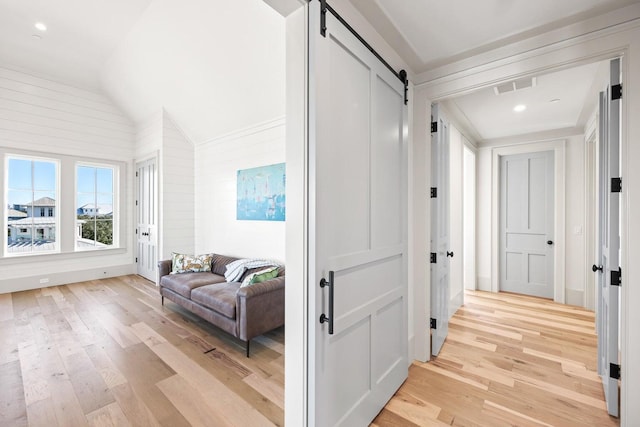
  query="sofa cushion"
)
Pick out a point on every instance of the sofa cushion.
point(220, 297)
point(184, 283)
point(185, 263)
point(219, 263)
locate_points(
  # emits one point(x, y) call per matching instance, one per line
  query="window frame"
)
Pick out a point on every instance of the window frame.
point(65, 210)
point(8, 156)
point(115, 194)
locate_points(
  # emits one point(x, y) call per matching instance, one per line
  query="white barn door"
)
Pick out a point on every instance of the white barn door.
point(609, 276)
point(440, 220)
point(147, 218)
point(357, 228)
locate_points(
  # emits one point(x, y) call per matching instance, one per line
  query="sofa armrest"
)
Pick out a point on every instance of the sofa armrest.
point(260, 308)
point(164, 268)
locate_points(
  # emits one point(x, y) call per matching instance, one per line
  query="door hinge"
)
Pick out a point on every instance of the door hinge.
point(136, 203)
point(616, 91)
point(434, 192)
point(136, 231)
point(136, 174)
point(434, 127)
point(433, 323)
point(616, 185)
point(614, 371)
point(432, 257)
point(136, 259)
point(616, 277)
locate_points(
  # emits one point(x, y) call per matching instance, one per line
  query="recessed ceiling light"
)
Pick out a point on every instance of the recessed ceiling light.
point(553, 101)
point(519, 108)
point(40, 26)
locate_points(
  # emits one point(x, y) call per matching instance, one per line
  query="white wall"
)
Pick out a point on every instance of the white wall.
point(574, 218)
point(216, 66)
point(149, 136)
point(177, 191)
point(159, 136)
point(576, 268)
point(40, 115)
point(216, 166)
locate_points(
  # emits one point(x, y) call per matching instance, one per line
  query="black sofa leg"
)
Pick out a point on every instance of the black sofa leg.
point(248, 341)
point(162, 299)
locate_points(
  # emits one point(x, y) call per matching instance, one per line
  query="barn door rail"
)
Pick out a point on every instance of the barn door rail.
point(325, 7)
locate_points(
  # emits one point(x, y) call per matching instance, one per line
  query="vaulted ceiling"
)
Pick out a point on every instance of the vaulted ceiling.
point(80, 36)
point(218, 66)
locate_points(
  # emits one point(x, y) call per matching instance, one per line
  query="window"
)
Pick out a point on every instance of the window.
point(31, 186)
point(95, 206)
point(50, 212)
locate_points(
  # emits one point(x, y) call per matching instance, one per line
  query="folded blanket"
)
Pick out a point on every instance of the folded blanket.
point(236, 269)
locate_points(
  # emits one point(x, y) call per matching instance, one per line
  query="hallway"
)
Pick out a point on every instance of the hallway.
point(508, 360)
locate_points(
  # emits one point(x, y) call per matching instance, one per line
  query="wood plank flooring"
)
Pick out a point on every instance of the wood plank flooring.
point(509, 360)
point(107, 353)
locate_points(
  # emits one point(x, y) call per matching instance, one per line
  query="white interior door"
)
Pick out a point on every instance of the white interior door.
point(440, 251)
point(147, 218)
point(609, 241)
point(526, 224)
point(357, 228)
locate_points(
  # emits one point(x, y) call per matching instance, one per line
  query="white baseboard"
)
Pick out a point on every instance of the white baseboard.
point(484, 284)
point(574, 297)
point(56, 279)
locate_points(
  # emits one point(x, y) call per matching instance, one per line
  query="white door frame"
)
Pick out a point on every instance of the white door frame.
point(522, 62)
point(590, 207)
point(558, 148)
point(469, 271)
point(145, 158)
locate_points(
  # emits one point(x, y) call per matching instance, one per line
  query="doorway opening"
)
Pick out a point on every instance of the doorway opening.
point(565, 134)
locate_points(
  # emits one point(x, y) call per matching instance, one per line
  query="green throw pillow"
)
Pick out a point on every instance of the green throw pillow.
point(260, 276)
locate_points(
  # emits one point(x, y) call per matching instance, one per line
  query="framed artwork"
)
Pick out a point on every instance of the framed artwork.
point(261, 193)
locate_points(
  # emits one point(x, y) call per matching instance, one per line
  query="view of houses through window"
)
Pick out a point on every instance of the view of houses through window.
point(31, 205)
point(94, 201)
point(33, 208)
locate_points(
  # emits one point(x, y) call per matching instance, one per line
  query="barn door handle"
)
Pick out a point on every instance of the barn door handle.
point(324, 318)
point(450, 254)
point(595, 268)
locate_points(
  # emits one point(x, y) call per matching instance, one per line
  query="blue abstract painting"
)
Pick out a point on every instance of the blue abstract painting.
point(261, 193)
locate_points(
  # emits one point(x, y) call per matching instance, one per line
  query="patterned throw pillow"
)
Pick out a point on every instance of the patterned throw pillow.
point(260, 276)
point(182, 263)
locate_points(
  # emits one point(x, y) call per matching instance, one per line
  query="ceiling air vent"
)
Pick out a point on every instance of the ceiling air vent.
point(514, 85)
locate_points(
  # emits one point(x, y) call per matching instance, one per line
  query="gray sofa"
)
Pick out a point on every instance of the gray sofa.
point(245, 312)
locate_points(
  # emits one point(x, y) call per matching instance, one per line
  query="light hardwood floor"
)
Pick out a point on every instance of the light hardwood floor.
point(107, 353)
point(509, 360)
